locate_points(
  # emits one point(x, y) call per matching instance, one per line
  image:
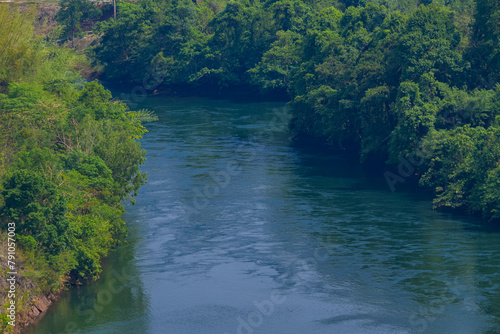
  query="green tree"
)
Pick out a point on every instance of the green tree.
point(430, 43)
point(485, 47)
point(73, 13)
point(275, 69)
point(37, 206)
point(463, 168)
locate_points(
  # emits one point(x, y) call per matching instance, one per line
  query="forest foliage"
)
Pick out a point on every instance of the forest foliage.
point(69, 155)
point(382, 79)
point(393, 82)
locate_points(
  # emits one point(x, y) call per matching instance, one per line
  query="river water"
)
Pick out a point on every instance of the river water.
point(239, 231)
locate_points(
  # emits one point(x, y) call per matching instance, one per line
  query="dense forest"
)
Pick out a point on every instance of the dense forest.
point(411, 85)
point(69, 155)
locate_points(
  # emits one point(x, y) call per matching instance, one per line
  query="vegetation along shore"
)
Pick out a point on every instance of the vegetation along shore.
point(411, 88)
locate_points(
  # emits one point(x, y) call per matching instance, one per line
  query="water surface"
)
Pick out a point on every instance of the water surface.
point(238, 231)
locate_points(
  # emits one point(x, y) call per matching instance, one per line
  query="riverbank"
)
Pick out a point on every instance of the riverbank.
point(31, 302)
point(70, 156)
point(367, 79)
point(305, 240)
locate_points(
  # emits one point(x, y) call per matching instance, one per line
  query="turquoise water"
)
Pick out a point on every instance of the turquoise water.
point(239, 231)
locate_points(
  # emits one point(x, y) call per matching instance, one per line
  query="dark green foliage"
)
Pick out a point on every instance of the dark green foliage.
point(94, 99)
point(414, 120)
point(273, 72)
point(151, 42)
point(69, 157)
point(240, 37)
point(33, 201)
point(73, 14)
point(485, 50)
point(464, 169)
point(374, 78)
point(290, 15)
point(95, 174)
point(429, 44)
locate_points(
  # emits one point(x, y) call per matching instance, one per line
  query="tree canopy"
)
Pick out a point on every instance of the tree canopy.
point(373, 78)
point(69, 155)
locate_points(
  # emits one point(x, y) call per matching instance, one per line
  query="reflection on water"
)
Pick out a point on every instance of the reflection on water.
point(116, 303)
point(238, 231)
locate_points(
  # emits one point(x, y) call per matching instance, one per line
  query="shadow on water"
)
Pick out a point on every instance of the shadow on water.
point(114, 303)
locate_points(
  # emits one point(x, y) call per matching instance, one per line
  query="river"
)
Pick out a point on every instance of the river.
point(239, 231)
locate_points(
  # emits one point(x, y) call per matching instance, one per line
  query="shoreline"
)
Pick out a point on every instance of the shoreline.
point(31, 303)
